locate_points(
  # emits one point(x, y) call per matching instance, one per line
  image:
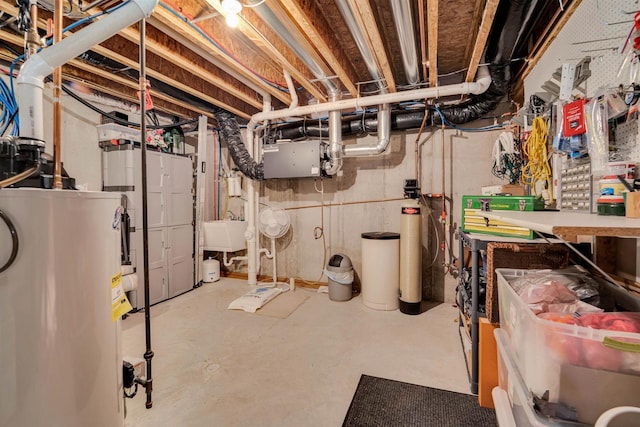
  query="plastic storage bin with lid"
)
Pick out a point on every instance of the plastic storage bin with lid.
point(566, 359)
point(516, 408)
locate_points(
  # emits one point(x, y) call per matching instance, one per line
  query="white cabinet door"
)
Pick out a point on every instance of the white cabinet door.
point(156, 190)
point(180, 259)
point(158, 278)
point(181, 174)
point(180, 186)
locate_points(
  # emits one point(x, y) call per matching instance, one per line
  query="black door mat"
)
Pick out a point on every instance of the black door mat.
point(381, 402)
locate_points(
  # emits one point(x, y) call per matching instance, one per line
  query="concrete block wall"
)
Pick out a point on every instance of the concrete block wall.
point(300, 254)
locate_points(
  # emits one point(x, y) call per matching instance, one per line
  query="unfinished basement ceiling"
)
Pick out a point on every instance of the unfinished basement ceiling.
point(195, 61)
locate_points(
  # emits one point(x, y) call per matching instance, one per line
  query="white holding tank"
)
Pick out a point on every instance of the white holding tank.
point(60, 353)
point(410, 258)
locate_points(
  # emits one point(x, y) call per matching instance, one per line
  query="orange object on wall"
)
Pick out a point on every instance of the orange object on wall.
point(488, 363)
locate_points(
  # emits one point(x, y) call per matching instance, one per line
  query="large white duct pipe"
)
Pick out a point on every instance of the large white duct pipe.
point(31, 78)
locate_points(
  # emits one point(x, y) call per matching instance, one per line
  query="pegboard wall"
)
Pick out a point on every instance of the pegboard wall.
point(598, 28)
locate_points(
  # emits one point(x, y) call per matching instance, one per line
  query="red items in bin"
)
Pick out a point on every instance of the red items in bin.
point(594, 354)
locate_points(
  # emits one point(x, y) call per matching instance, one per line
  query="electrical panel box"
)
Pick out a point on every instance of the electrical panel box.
point(299, 159)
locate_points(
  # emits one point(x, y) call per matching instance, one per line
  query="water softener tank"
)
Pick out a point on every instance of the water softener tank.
point(410, 258)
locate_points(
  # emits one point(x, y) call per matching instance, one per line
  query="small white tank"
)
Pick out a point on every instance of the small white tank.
point(210, 270)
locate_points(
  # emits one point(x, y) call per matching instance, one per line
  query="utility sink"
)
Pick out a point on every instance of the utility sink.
point(224, 235)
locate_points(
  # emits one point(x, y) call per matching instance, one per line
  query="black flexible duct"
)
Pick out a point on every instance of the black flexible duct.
point(230, 134)
point(511, 18)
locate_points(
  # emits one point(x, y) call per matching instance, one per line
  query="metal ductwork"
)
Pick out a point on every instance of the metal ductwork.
point(384, 111)
point(403, 19)
point(384, 136)
point(292, 41)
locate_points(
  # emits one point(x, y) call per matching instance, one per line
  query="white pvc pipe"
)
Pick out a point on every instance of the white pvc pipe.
point(476, 88)
point(250, 233)
point(31, 78)
point(232, 260)
point(292, 89)
point(253, 254)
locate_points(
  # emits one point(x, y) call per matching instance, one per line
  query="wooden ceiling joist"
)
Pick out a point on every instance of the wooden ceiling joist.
point(221, 99)
point(488, 16)
point(174, 76)
point(99, 84)
point(367, 22)
point(311, 21)
point(165, 19)
point(105, 86)
point(263, 36)
point(432, 38)
point(179, 56)
point(132, 84)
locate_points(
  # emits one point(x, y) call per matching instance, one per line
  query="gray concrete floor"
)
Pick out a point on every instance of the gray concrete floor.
point(218, 367)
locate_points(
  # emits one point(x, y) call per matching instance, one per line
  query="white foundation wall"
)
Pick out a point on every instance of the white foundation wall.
point(81, 155)
point(300, 254)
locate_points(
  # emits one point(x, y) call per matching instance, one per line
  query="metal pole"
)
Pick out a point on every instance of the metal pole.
point(148, 354)
point(57, 101)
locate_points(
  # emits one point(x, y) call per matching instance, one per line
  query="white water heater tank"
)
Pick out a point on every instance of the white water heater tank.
point(60, 352)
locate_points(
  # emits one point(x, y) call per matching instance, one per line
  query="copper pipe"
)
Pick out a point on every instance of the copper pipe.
point(31, 37)
point(328, 205)
point(57, 101)
point(443, 245)
point(418, 172)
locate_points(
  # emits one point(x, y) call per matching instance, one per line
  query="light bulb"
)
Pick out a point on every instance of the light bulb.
point(232, 20)
point(230, 7)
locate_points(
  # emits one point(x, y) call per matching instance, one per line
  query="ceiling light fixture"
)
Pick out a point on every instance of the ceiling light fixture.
point(230, 10)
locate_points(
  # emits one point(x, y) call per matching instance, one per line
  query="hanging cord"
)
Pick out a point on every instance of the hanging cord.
point(537, 168)
point(318, 232)
point(507, 160)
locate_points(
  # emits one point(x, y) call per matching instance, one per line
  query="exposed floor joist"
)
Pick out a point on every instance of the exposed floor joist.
point(310, 20)
point(488, 16)
point(432, 38)
point(167, 19)
point(173, 77)
point(180, 56)
point(263, 36)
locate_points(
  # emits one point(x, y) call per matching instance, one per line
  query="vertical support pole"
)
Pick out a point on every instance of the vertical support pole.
point(200, 193)
point(57, 101)
point(474, 315)
point(148, 354)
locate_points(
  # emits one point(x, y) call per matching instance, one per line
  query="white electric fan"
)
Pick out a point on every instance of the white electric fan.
point(274, 223)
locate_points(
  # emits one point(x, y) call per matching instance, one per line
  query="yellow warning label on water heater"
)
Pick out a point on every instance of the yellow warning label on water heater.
point(119, 303)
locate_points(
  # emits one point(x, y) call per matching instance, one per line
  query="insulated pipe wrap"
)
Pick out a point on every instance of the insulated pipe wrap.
point(230, 134)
